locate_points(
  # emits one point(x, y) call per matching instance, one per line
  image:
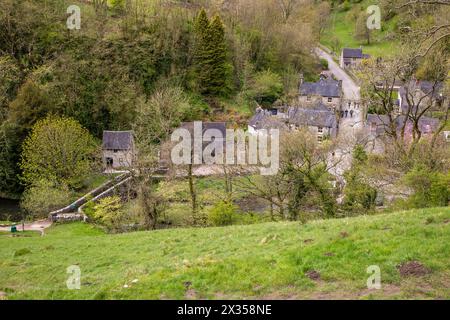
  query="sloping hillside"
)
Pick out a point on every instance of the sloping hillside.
point(341, 31)
point(322, 259)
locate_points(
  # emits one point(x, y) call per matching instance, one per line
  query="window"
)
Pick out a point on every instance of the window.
point(320, 129)
point(330, 99)
point(116, 150)
point(319, 138)
point(308, 98)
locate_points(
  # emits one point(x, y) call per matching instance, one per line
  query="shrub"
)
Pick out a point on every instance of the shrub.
point(430, 188)
point(109, 212)
point(359, 195)
point(324, 64)
point(265, 88)
point(44, 197)
point(222, 214)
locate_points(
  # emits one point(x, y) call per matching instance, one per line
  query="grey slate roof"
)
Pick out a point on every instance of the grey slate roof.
point(324, 88)
point(352, 53)
point(426, 124)
point(264, 119)
point(312, 117)
point(426, 87)
point(221, 126)
point(117, 140)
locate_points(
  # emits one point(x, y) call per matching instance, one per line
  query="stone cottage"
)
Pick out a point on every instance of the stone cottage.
point(317, 118)
point(118, 149)
point(351, 58)
point(326, 90)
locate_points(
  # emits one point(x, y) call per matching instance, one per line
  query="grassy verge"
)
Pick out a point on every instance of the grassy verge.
point(259, 261)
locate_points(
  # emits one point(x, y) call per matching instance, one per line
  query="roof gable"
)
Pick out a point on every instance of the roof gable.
point(117, 140)
point(312, 117)
point(324, 88)
point(352, 53)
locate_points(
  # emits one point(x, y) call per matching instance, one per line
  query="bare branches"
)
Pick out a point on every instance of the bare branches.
point(426, 2)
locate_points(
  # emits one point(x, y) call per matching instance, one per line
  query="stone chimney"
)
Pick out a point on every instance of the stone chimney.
point(302, 79)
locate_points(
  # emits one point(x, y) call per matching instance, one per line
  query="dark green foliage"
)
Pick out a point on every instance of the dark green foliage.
point(359, 195)
point(265, 88)
point(210, 54)
point(324, 64)
point(10, 148)
point(222, 214)
point(31, 104)
point(30, 31)
point(430, 188)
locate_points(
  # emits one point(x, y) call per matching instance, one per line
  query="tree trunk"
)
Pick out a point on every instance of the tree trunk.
point(193, 194)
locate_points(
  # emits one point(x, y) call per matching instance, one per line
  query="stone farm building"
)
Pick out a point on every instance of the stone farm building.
point(217, 130)
point(379, 126)
point(317, 118)
point(351, 58)
point(326, 90)
point(417, 95)
point(118, 149)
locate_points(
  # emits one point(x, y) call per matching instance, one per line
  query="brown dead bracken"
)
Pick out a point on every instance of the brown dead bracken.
point(412, 268)
point(313, 275)
point(344, 234)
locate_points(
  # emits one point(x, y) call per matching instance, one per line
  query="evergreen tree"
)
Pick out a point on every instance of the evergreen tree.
point(210, 55)
point(200, 51)
point(219, 66)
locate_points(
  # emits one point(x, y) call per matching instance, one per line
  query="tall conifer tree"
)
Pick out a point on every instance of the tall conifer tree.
point(210, 54)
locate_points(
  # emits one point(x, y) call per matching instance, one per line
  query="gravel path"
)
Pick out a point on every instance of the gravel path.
point(40, 226)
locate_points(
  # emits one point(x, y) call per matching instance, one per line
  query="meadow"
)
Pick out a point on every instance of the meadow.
point(324, 259)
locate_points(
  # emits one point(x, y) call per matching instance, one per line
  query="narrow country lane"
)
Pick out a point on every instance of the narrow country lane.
point(349, 127)
point(351, 89)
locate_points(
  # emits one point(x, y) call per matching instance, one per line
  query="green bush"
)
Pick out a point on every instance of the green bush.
point(431, 189)
point(265, 88)
point(360, 197)
point(109, 212)
point(222, 214)
point(43, 197)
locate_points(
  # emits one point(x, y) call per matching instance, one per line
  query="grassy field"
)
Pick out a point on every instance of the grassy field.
point(342, 27)
point(269, 260)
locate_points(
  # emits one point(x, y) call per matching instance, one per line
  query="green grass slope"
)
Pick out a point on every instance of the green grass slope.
point(343, 28)
point(258, 261)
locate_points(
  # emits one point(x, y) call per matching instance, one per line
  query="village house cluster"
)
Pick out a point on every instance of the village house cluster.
point(320, 107)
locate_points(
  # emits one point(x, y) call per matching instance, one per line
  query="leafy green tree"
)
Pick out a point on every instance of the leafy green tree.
point(9, 82)
point(431, 188)
point(265, 88)
point(361, 30)
point(359, 195)
point(109, 212)
point(59, 150)
point(31, 104)
point(98, 96)
point(44, 197)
